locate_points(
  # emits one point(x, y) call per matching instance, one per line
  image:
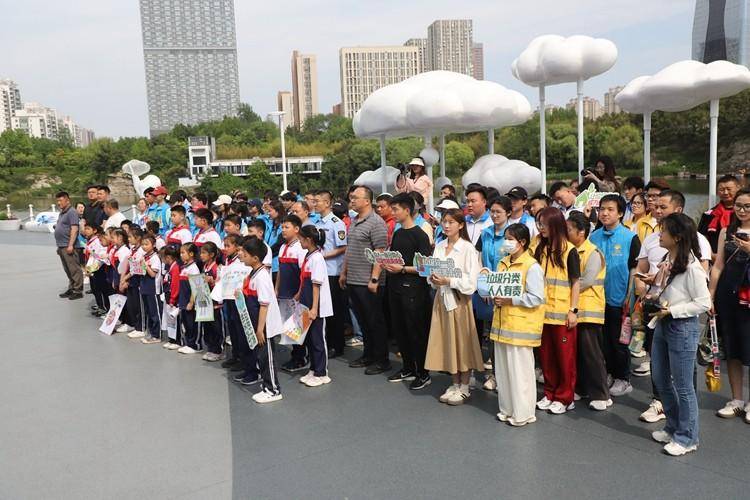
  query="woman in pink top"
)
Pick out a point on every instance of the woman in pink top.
point(416, 181)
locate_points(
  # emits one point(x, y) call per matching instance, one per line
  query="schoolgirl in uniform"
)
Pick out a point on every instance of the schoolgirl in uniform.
point(213, 331)
point(131, 282)
point(95, 257)
point(188, 253)
point(172, 288)
point(291, 256)
point(152, 228)
point(263, 310)
point(150, 290)
point(118, 258)
point(315, 294)
point(453, 345)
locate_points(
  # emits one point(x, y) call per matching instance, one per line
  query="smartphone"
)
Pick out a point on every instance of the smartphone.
point(742, 236)
point(643, 276)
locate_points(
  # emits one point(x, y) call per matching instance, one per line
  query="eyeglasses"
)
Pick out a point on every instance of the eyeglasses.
point(636, 204)
point(741, 208)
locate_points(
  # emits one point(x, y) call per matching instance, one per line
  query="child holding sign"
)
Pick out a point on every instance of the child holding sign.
point(263, 309)
point(132, 271)
point(315, 294)
point(213, 332)
point(517, 330)
point(150, 290)
point(291, 256)
point(453, 345)
point(188, 253)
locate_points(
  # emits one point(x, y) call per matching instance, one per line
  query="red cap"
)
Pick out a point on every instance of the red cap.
point(159, 190)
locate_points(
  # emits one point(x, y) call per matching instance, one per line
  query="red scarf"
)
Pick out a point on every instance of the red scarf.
point(721, 217)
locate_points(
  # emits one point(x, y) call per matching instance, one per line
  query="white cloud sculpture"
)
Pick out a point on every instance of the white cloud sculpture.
point(553, 59)
point(503, 174)
point(373, 178)
point(684, 85)
point(439, 102)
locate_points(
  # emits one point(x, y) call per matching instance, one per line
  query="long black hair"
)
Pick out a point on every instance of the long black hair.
point(685, 233)
point(521, 234)
point(318, 236)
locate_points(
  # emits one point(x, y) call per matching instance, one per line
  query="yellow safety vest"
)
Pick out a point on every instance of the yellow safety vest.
point(591, 300)
point(516, 325)
point(557, 288)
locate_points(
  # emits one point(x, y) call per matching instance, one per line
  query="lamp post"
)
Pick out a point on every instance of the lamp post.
point(280, 115)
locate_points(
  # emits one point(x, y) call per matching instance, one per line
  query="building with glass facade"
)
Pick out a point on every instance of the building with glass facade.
point(721, 31)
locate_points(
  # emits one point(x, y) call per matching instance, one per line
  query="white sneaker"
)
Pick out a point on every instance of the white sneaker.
point(639, 354)
point(733, 408)
point(211, 357)
point(557, 408)
point(136, 334)
point(576, 396)
point(266, 397)
point(677, 450)
point(488, 364)
point(173, 347)
point(150, 340)
point(516, 423)
point(167, 345)
point(447, 394)
point(306, 376)
point(661, 436)
point(458, 397)
point(316, 381)
point(544, 403)
point(502, 417)
point(186, 349)
point(620, 388)
point(643, 369)
point(124, 328)
point(600, 404)
point(539, 375)
point(490, 384)
point(653, 413)
point(355, 342)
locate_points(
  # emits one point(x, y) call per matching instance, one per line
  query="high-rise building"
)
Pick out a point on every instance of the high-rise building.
point(190, 54)
point(449, 45)
point(366, 69)
point(336, 109)
point(10, 101)
point(284, 102)
point(80, 136)
point(477, 61)
point(304, 87)
point(36, 120)
point(421, 44)
point(610, 106)
point(721, 31)
point(592, 108)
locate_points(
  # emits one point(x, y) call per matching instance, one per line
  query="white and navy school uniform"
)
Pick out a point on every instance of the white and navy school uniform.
point(150, 291)
point(171, 287)
point(240, 350)
point(118, 258)
point(213, 331)
point(335, 231)
point(179, 236)
point(134, 304)
point(160, 242)
point(259, 291)
point(187, 323)
point(205, 235)
point(291, 257)
point(314, 272)
point(95, 252)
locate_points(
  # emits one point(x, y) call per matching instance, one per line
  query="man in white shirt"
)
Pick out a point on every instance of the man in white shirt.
point(478, 217)
point(518, 197)
point(564, 197)
point(114, 216)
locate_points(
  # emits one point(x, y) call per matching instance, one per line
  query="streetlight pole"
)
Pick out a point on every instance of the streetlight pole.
point(280, 115)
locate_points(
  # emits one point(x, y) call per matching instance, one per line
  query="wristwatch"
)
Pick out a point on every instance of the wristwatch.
point(373, 280)
point(574, 310)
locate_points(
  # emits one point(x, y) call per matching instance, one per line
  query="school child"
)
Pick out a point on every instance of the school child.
point(118, 259)
point(264, 314)
point(131, 282)
point(315, 294)
point(453, 345)
point(516, 330)
point(257, 228)
point(171, 288)
point(233, 225)
point(206, 232)
point(185, 300)
point(180, 232)
point(152, 228)
point(95, 257)
point(213, 331)
point(291, 257)
point(150, 290)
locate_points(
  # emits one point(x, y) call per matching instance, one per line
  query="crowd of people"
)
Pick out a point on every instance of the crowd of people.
point(630, 278)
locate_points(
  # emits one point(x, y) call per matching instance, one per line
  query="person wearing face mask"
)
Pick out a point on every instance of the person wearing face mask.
point(516, 329)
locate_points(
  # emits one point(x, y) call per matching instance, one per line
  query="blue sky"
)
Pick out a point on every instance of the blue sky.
point(85, 57)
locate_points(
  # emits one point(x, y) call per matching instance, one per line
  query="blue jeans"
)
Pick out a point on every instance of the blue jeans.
point(672, 369)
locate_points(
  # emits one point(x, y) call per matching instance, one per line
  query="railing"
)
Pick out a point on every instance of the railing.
point(129, 212)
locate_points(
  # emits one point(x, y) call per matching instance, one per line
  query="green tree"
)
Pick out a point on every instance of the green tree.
point(458, 159)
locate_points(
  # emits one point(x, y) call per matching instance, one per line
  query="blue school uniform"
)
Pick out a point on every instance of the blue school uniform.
point(289, 270)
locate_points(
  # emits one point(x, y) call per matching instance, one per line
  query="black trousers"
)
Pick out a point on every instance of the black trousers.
point(592, 374)
point(616, 355)
point(266, 356)
point(335, 324)
point(152, 314)
point(315, 342)
point(368, 308)
point(135, 308)
point(240, 350)
point(411, 310)
point(213, 333)
point(189, 328)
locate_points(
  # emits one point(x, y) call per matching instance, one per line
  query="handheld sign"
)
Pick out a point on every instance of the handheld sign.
point(116, 305)
point(589, 198)
point(204, 308)
point(427, 266)
point(137, 266)
point(247, 323)
point(384, 257)
point(503, 284)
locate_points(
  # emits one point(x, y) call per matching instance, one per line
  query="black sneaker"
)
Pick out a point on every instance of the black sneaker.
point(89, 292)
point(241, 376)
point(250, 379)
point(360, 362)
point(420, 382)
point(75, 296)
point(400, 376)
point(230, 363)
point(65, 294)
point(377, 369)
point(293, 366)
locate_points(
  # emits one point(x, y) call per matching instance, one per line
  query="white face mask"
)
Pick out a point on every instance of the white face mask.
point(509, 246)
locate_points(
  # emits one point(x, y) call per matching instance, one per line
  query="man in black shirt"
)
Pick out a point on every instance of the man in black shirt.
point(93, 213)
point(409, 295)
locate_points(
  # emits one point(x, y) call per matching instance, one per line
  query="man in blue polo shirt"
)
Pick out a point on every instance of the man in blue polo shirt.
point(620, 247)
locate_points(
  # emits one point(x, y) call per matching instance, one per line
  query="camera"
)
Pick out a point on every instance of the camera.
point(650, 307)
point(586, 172)
point(402, 168)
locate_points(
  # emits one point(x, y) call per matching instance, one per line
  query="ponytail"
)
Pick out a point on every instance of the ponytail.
point(318, 236)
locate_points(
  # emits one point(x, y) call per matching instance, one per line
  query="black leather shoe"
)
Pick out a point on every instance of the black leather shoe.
point(75, 296)
point(378, 369)
point(65, 294)
point(230, 363)
point(360, 362)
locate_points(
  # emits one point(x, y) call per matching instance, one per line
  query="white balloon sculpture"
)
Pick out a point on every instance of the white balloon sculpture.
point(136, 168)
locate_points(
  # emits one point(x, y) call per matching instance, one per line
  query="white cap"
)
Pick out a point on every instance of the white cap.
point(448, 205)
point(417, 161)
point(223, 199)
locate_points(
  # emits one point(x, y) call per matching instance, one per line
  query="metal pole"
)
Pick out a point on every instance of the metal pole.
point(491, 141)
point(383, 170)
point(647, 147)
point(542, 139)
point(283, 152)
point(442, 155)
point(428, 144)
point(31, 211)
point(7, 210)
point(53, 208)
point(580, 128)
point(714, 115)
